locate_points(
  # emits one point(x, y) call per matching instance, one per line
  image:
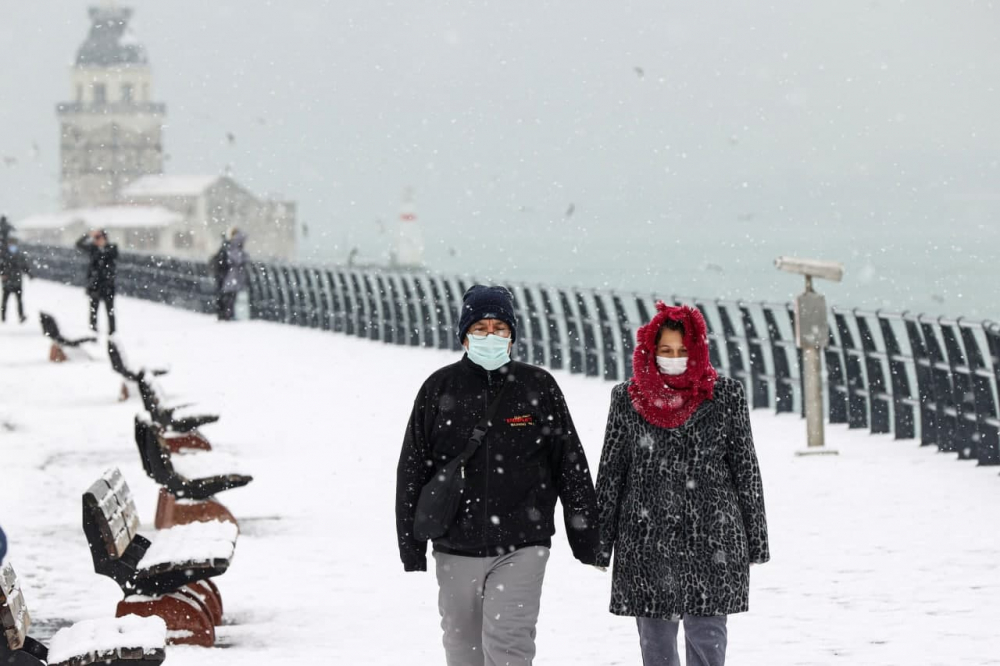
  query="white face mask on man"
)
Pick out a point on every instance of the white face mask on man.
point(672, 366)
point(489, 351)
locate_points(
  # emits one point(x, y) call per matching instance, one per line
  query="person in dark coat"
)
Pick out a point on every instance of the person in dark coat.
point(491, 561)
point(236, 278)
point(13, 266)
point(680, 494)
point(5, 229)
point(218, 265)
point(101, 275)
point(3, 545)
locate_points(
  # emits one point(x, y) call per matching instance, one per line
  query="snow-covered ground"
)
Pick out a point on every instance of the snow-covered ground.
point(887, 554)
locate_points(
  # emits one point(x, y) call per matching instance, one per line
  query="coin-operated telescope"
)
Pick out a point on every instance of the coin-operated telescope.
point(812, 334)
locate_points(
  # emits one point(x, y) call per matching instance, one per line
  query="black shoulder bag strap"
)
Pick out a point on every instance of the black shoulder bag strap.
point(479, 432)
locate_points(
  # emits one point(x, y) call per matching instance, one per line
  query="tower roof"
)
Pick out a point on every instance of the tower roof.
point(110, 42)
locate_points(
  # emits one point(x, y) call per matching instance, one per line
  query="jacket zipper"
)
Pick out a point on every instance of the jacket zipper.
point(486, 467)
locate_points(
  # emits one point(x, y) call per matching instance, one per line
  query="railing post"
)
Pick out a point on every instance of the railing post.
point(944, 391)
point(929, 426)
point(440, 309)
point(878, 399)
point(733, 353)
point(536, 321)
point(904, 419)
point(987, 424)
point(427, 323)
point(573, 337)
point(591, 348)
point(522, 346)
point(857, 415)
point(758, 369)
point(836, 382)
point(453, 305)
point(373, 307)
point(963, 396)
point(784, 392)
point(612, 357)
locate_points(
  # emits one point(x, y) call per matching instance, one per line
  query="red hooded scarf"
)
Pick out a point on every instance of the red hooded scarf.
point(663, 400)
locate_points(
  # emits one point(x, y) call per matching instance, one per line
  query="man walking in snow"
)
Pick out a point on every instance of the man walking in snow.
point(236, 278)
point(13, 265)
point(491, 561)
point(101, 275)
point(5, 229)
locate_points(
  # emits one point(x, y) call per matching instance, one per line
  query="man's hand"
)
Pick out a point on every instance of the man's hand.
point(600, 568)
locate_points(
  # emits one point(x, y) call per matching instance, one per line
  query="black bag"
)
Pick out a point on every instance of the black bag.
point(441, 496)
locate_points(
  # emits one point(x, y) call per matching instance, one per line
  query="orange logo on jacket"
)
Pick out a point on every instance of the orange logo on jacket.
point(520, 421)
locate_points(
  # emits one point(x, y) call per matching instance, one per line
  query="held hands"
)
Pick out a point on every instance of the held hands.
point(600, 568)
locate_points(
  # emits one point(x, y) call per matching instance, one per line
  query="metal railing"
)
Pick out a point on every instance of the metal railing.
point(917, 377)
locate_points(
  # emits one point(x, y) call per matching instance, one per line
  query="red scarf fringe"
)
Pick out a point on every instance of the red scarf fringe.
point(669, 401)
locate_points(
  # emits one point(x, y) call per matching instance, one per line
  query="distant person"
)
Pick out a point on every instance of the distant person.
point(13, 265)
point(101, 275)
point(218, 266)
point(680, 494)
point(236, 272)
point(5, 229)
point(491, 554)
point(3, 545)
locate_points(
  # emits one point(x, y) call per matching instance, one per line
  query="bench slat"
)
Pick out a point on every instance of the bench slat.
point(14, 615)
point(119, 517)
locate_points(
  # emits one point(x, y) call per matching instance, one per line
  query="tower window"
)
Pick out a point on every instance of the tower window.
point(127, 93)
point(100, 93)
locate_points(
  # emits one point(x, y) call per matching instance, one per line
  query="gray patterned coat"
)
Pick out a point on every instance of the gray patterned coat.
point(681, 508)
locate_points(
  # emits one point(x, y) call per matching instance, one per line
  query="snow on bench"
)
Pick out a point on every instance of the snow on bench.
point(139, 641)
point(126, 638)
point(111, 524)
point(198, 465)
point(167, 576)
point(193, 543)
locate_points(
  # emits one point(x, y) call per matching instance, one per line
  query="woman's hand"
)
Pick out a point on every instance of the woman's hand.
point(600, 568)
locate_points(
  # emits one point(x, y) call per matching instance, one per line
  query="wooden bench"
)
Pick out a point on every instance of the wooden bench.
point(57, 352)
point(168, 416)
point(182, 499)
point(168, 576)
point(129, 640)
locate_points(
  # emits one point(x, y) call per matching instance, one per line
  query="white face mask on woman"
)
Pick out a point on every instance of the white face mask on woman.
point(672, 366)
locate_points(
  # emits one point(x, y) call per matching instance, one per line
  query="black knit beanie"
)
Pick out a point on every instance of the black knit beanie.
point(482, 302)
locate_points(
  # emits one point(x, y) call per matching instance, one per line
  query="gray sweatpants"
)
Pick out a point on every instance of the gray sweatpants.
point(706, 639)
point(489, 606)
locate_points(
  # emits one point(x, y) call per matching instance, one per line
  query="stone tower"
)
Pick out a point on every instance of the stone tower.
point(112, 131)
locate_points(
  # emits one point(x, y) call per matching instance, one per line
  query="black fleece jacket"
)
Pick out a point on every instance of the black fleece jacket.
point(530, 457)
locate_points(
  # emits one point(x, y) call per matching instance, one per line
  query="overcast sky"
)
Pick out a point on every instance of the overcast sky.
point(762, 127)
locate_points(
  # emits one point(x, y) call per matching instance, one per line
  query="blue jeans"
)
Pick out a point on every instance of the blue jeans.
point(706, 640)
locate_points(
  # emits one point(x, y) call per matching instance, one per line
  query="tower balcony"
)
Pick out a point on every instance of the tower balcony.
point(111, 108)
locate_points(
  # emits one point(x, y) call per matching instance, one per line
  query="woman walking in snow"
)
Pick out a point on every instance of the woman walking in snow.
point(680, 494)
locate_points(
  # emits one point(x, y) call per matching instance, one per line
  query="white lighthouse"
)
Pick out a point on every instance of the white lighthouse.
point(111, 131)
point(409, 242)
